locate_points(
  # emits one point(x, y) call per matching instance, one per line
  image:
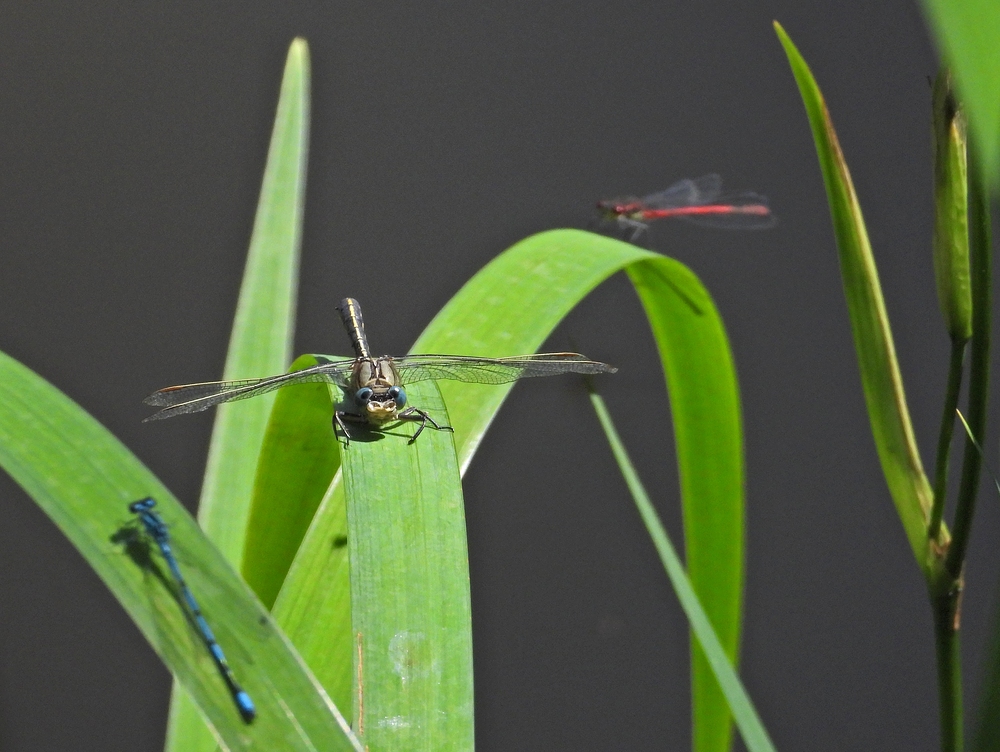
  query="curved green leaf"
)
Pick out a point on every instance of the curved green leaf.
point(704, 401)
point(260, 344)
point(511, 307)
point(83, 479)
point(880, 376)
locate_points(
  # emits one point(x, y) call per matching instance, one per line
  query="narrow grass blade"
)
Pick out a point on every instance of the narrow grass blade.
point(880, 376)
point(83, 479)
point(510, 307)
point(411, 611)
point(751, 727)
point(968, 34)
point(260, 343)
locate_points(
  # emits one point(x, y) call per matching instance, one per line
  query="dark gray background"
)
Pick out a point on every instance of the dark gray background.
point(133, 142)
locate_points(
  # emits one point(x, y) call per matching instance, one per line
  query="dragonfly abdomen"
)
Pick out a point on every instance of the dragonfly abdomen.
point(350, 312)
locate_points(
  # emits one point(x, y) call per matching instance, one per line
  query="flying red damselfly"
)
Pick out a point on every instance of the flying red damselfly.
point(699, 200)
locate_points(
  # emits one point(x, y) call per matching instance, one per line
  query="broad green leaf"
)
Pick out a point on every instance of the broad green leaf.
point(411, 611)
point(880, 376)
point(260, 345)
point(84, 479)
point(968, 34)
point(297, 462)
point(754, 734)
point(510, 308)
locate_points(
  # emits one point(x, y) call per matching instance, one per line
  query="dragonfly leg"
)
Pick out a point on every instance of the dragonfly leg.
point(634, 228)
point(413, 413)
point(339, 416)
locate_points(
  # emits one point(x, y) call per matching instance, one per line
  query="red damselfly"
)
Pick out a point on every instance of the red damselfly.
point(699, 200)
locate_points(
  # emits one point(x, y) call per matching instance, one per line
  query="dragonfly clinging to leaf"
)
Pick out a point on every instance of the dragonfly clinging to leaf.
point(374, 386)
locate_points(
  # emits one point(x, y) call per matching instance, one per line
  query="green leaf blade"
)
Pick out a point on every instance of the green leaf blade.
point(704, 402)
point(880, 375)
point(314, 604)
point(509, 308)
point(83, 479)
point(261, 340)
point(260, 345)
point(411, 607)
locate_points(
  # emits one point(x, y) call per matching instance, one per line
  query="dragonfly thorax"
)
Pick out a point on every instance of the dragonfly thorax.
point(620, 207)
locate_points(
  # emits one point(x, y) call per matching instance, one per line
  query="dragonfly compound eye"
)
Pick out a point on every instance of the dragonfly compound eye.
point(397, 395)
point(363, 395)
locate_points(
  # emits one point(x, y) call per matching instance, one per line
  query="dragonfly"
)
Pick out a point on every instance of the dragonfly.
point(373, 386)
point(699, 200)
point(156, 528)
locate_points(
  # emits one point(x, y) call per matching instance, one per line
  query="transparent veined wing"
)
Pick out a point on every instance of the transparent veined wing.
point(688, 192)
point(701, 202)
point(494, 370)
point(192, 398)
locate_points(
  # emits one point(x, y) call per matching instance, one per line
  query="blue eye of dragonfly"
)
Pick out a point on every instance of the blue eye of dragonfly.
point(398, 395)
point(363, 395)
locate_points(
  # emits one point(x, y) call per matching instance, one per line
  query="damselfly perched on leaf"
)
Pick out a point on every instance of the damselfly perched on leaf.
point(374, 386)
point(156, 529)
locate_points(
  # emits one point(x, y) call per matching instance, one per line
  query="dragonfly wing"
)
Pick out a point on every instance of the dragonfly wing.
point(494, 370)
point(690, 192)
point(192, 398)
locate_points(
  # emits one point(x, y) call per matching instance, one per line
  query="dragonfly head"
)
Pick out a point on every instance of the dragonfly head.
point(377, 393)
point(380, 406)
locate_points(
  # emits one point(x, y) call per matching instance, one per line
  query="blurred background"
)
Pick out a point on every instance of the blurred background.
point(133, 143)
